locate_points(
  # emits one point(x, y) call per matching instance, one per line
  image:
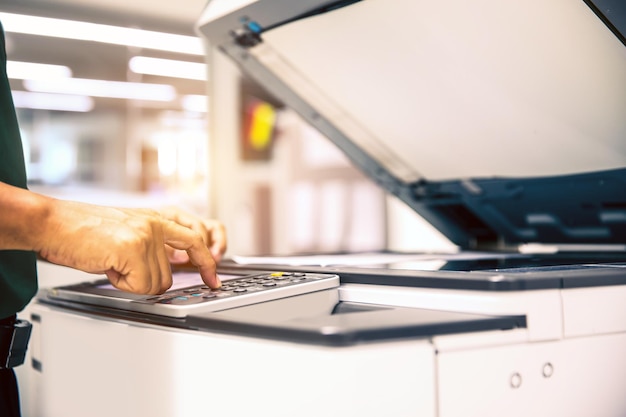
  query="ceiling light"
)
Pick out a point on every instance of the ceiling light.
point(101, 88)
point(44, 101)
point(69, 29)
point(168, 68)
point(31, 71)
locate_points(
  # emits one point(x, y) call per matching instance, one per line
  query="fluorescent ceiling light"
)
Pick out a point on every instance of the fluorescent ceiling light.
point(32, 71)
point(195, 103)
point(168, 68)
point(69, 29)
point(44, 101)
point(101, 88)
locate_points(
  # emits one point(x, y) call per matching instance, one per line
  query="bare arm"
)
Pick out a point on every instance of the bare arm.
point(128, 245)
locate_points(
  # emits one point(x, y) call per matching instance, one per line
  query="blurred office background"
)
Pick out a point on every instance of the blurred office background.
point(131, 110)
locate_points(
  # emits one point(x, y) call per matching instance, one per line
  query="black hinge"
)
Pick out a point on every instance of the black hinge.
point(249, 35)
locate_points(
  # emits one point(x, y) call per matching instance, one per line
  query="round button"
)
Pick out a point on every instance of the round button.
point(548, 370)
point(516, 380)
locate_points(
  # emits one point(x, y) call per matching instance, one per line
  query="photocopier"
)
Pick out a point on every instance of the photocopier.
point(499, 122)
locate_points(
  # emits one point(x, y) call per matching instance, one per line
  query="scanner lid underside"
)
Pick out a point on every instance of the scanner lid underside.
point(501, 123)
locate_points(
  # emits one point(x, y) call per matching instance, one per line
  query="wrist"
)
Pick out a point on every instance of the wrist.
point(41, 210)
point(24, 217)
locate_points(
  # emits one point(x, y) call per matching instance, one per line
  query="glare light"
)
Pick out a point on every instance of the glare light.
point(187, 156)
point(167, 158)
point(196, 103)
point(32, 71)
point(44, 101)
point(69, 29)
point(168, 68)
point(102, 88)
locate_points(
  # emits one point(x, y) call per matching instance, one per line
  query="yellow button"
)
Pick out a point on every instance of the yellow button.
point(277, 274)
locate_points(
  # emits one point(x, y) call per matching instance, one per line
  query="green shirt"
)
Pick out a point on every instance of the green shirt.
point(18, 269)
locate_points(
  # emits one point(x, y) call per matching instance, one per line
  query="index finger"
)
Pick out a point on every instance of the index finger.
point(180, 237)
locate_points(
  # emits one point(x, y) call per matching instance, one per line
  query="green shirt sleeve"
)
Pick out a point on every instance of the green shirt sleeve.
point(18, 269)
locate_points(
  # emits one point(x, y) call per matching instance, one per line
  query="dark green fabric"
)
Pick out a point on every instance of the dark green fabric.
point(18, 269)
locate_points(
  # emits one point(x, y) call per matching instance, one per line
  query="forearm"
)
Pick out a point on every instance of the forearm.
point(23, 215)
point(135, 257)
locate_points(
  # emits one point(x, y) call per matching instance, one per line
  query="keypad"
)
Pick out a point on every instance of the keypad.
point(233, 288)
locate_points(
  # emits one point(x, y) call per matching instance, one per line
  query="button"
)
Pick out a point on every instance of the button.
point(277, 274)
point(223, 294)
point(209, 296)
point(197, 294)
point(269, 284)
point(299, 274)
point(239, 290)
point(516, 380)
point(548, 370)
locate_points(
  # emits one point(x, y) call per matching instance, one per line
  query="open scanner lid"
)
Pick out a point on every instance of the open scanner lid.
point(499, 122)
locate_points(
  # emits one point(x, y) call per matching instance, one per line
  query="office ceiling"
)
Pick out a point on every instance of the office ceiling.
point(104, 61)
point(183, 13)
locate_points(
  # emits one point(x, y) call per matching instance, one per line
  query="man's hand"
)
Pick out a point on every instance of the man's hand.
point(130, 246)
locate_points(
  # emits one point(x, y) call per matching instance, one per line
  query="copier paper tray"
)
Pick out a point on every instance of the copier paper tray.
point(316, 318)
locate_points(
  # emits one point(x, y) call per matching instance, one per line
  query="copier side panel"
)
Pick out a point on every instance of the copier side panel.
point(102, 367)
point(577, 377)
point(589, 311)
point(542, 308)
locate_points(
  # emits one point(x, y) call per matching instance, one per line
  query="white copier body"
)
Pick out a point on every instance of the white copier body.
point(499, 122)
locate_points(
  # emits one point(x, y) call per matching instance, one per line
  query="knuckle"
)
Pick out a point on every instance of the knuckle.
point(143, 286)
point(197, 239)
